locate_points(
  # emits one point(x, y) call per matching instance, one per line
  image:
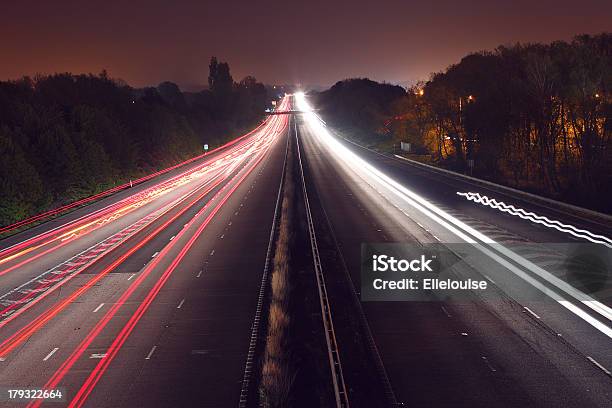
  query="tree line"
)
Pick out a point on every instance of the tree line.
point(532, 116)
point(64, 137)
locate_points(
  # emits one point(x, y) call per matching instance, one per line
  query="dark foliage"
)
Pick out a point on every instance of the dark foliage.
point(65, 137)
point(359, 102)
point(534, 116)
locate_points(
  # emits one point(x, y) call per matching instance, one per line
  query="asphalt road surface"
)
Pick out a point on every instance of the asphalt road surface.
point(147, 297)
point(497, 349)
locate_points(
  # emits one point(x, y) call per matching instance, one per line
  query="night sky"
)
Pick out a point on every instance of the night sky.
point(314, 42)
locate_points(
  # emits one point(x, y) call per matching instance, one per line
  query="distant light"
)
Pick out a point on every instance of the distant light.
point(421, 92)
point(597, 95)
point(470, 98)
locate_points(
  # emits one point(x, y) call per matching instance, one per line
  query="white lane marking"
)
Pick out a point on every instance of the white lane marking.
point(222, 235)
point(464, 334)
point(98, 355)
point(171, 238)
point(98, 308)
point(446, 312)
point(155, 254)
point(131, 276)
point(488, 278)
point(531, 312)
point(602, 368)
point(148, 357)
point(199, 273)
point(52, 352)
point(229, 223)
point(180, 304)
point(435, 237)
point(212, 252)
point(486, 360)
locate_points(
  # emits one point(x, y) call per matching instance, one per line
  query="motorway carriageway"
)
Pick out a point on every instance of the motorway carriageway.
point(72, 290)
point(550, 349)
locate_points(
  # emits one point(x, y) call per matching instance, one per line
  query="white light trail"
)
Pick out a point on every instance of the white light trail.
point(538, 219)
point(376, 179)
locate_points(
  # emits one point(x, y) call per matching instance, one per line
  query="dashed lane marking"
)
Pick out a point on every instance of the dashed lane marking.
point(602, 368)
point(52, 352)
point(531, 312)
point(486, 361)
point(446, 312)
point(148, 357)
point(488, 278)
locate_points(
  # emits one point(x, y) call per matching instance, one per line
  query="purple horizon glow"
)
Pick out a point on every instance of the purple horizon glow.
point(315, 42)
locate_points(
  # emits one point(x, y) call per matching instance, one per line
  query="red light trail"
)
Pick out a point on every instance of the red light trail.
point(260, 148)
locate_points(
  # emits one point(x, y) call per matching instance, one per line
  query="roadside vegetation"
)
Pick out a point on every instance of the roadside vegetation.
point(64, 137)
point(278, 372)
point(294, 363)
point(537, 117)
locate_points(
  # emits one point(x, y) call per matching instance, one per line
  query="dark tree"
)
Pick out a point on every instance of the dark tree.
point(65, 137)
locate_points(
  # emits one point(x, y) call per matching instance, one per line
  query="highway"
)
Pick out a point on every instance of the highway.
point(145, 298)
point(150, 297)
point(501, 348)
